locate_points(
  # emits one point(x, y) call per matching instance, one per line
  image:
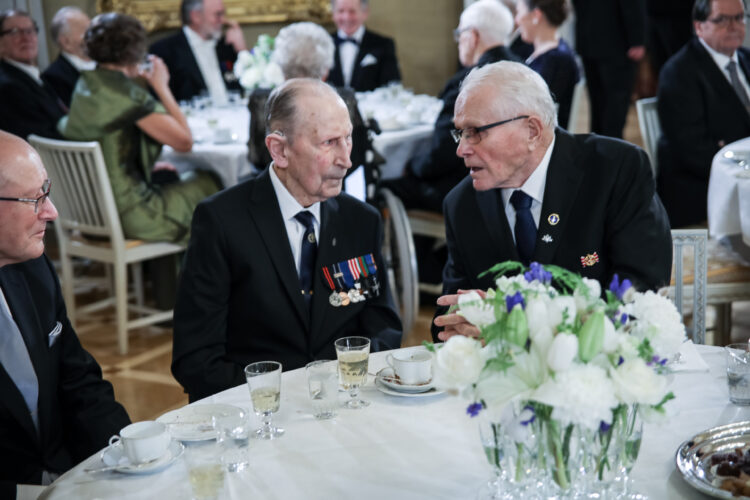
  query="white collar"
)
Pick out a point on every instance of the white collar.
point(78, 63)
point(288, 204)
point(534, 185)
point(720, 59)
point(30, 70)
point(357, 35)
point(195, 40)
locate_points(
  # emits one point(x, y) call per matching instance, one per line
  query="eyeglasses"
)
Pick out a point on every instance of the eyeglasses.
point(471, 134)
point(457, 33)
point(14, 32)
point(35, 201)
point(724, 21)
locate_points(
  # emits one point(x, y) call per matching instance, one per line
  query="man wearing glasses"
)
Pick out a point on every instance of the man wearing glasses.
point(703, 106)
point(536, 193)
point(55, 408)
point(29, 106)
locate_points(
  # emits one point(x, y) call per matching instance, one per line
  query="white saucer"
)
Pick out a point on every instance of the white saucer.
point(194, 423)
point(114, 455)
point(380, 385)
point(384, 377)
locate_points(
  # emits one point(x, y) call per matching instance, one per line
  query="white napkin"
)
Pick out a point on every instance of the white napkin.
point(690, 360)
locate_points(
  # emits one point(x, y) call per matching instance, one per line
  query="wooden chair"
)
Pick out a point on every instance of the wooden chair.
point(89, 227)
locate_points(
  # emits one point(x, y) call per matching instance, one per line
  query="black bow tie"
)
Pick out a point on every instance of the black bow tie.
point(343, 39)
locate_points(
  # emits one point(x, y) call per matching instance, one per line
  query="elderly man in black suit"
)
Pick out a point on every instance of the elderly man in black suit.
point(364, 60)
point(55, 410)
point(281, 266)
point(67, 29)
point(703, 105)
point(199, 57)
point(539, 194)
point(28, 105)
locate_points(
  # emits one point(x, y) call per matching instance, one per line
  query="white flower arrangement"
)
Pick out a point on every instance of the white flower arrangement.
point(254, 68)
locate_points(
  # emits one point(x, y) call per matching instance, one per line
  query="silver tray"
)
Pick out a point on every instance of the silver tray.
point(693, 457)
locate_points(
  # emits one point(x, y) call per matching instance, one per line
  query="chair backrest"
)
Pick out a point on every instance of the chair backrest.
point(648, 121)
point(575, 106)
point(695, 238)
point(80, 188)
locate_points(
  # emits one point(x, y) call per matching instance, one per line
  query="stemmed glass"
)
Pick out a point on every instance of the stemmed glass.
point(264, 382)
point(353, 355)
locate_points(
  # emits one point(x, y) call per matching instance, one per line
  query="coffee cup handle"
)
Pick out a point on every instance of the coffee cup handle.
point(114, 440)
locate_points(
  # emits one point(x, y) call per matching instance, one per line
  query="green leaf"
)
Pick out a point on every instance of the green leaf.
point(430, 346)
point(503, 268)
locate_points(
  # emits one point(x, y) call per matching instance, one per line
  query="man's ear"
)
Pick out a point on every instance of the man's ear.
point(535, 128)
point(276, 146)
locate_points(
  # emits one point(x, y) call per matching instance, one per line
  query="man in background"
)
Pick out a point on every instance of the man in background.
point(201, 56)
point(67, 29)
point(56, 409)
point(27, 104)
point(364, 60)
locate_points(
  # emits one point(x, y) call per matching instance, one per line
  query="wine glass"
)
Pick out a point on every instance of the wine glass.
point(264, 382)
point(353, 354)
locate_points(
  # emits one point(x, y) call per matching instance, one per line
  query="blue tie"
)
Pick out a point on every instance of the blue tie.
point(525, 229)
point(308, 254)
point(14, 356)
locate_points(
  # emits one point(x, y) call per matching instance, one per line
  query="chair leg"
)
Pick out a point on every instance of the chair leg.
point(723, 327)
point(68, 287)
point(121, 305)
point(137, 270)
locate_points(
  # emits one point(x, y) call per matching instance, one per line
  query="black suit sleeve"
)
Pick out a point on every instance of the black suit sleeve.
point(23, 114)
point(199, 360)
point(633, 14)
point(389, 71)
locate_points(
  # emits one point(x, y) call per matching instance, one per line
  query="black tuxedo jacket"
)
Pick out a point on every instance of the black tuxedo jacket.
point(606, 29)
point(602, 192)
point(185, 79)
point(62, 77)
point(77, 409)
point(699, 113)
point(382, 72)
point(239, 297)
point(25, 106)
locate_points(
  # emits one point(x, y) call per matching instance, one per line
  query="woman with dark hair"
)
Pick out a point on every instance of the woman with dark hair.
point(538, 21)
point(112, 105)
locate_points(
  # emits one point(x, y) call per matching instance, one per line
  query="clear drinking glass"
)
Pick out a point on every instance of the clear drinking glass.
point(205, 472)
point(264, 382)
point(322, 381)
point(353, 354)
point(234, 436)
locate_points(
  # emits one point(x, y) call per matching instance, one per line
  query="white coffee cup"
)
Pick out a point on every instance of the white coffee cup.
point(413, 367)
point(143, 441)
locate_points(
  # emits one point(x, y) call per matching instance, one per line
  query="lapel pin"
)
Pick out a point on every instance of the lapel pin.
point(333, 242)
point(589, 259)
point(553, 219)
point(547, 238)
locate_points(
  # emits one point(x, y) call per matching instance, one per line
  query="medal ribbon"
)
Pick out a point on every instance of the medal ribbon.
point(371, 263)
point(354, 268)
point(362, 266)
point(348, 277)
point(338, 275)
point(328, 278)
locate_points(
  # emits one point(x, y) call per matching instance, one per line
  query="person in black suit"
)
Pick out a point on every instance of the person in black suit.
point(699, 109)
point(27, 104)
point(610, 37)
point(67, 29)
point(280, 266)
point(539, 194)
point(364, 60)
point(668, 28)
point(199, 58)
point(56, 409)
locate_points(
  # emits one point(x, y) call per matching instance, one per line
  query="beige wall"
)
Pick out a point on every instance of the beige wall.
point(422, 30)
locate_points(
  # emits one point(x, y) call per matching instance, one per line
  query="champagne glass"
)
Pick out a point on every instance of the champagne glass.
point(264, 382)
point(353, 354)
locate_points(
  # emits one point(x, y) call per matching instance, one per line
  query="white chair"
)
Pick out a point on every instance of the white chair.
point(576, 107)
point(695, 238)
point(648, 121)
point(89, 226)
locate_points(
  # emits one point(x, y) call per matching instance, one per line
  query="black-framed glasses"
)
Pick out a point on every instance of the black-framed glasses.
point(457, 33)
point(471, 134)
point(724, 21)
point(20, 31)
point(35, 201)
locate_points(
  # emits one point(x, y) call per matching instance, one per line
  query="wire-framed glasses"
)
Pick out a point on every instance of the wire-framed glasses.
point(472, 134)
point(36, 201)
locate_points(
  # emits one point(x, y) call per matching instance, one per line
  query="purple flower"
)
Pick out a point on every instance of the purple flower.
point(604, 426)
point(618, 288)
point(623, 318)
point(512, 300)
point(620, 361)
point(474, 409)
point(655, 360)
point(537, 272)
point(528, 408)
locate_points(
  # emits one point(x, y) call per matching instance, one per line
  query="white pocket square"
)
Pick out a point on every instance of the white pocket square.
point(55, 333)
point(368, 60)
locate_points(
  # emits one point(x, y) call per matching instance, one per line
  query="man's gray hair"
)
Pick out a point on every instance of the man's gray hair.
point(304, 50)
point(492, 20)
point(520, 90)
point(187, 7)
point(59, 25)
point(362, 3)
point(282, 111)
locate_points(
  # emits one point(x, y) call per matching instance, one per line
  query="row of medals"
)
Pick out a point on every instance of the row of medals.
point(343, 298)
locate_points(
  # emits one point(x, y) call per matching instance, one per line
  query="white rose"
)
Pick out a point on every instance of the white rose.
point(251, 77)
point(272, 74)
point(476, 311)
point(636, 382)
point(458, 363)
point(556, 308)
point(588, 294)
point(656, 319)
point(562, 352)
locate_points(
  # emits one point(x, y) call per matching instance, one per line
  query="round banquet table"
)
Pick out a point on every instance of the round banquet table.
point(404, 447)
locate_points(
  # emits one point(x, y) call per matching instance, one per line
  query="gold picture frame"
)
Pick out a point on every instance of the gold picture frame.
point(157, 15)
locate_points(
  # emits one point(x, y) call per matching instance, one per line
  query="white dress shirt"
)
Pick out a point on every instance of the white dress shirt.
point(348, 53)
point(30, 70)
point(290, 207)
point(208, 63)
point(78, 63)
point(722, 60)
point(534, 187)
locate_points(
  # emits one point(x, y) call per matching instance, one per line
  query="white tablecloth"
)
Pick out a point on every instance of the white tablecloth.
point(400, 447)
point(729, 195)
point(397, 146)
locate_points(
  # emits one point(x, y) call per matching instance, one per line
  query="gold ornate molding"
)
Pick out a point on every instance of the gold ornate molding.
point(158, 15)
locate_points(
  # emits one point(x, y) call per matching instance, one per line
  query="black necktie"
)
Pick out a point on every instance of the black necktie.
point(344, 39)
point(525, 229)
point(738, 88)
point(308, 254)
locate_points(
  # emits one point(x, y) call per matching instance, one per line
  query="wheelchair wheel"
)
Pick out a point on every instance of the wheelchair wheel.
point(399, 258)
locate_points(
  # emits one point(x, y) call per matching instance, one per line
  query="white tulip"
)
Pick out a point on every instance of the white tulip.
point(562, 352)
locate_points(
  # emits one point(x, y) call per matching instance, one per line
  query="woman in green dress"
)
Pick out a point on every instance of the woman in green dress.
point(112, 105)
